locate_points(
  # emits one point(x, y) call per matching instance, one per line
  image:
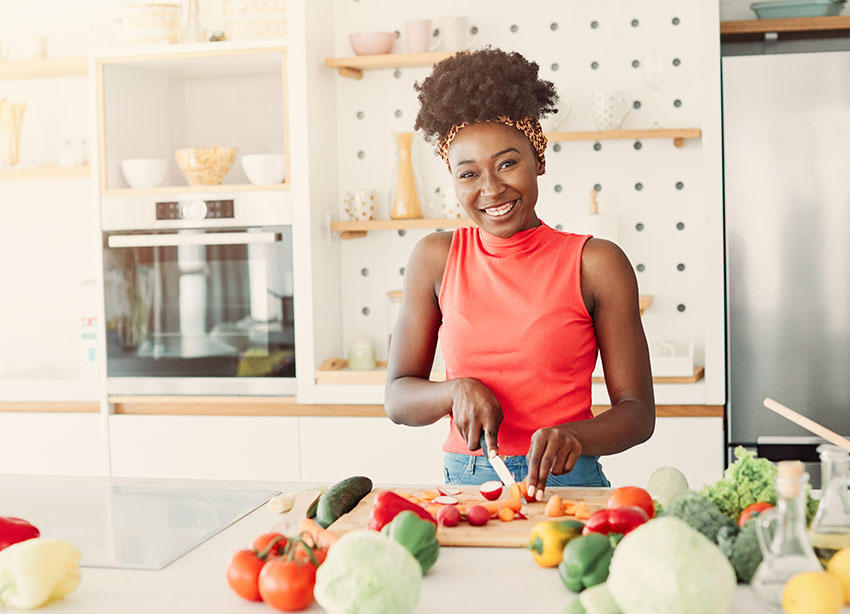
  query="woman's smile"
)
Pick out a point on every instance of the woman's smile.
point(500, 210)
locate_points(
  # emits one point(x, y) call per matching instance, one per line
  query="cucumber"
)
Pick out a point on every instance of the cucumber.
point(311, 511)
point(341, 498)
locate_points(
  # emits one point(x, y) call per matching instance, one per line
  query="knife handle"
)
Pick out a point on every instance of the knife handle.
point(483, 443)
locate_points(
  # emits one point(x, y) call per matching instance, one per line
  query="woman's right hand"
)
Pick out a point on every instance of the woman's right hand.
point(475, 408)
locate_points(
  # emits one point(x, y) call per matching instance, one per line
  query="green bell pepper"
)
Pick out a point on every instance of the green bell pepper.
point(419, 536)
point(585, 562)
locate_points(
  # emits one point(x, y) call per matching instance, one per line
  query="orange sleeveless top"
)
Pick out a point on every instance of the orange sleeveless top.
point(514, 318)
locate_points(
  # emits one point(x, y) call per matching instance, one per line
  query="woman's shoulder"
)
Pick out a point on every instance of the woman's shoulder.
point(434, 247)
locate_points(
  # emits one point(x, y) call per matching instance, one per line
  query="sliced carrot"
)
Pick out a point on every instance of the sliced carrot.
point(406, 495)
point(555, 506)
point(570, 509)
point(511, 504)
point(506, 514)
point(433, 509)
point(321, 537)
point(428, 495)
point(516, 493)
point(523, 490)
point(461, 507)
point(582, 512)
point(491, 506)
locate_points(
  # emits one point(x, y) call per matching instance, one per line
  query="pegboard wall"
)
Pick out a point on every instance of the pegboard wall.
point(649, 49)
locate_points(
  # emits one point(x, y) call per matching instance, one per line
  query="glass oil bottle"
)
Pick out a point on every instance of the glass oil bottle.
point(830, 530)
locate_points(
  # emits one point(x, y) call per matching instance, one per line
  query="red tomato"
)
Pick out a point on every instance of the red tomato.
point(262, 542)
point(243, 572)
point(752, 510)
point(632, 496)
point(287, 585)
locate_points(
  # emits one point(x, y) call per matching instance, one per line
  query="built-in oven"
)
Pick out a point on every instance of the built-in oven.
point(199, 294)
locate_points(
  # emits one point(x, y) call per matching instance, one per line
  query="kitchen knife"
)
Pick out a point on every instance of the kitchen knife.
point(497, 463)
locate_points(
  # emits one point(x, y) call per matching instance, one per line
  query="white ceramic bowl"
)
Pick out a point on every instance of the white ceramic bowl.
point(371, 43)
point(143, 173)
point(264, 169)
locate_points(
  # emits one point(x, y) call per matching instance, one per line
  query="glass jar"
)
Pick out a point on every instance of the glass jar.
point(789, 551)
point(830, 530)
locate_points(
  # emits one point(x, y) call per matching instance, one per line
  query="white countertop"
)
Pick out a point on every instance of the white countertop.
point(195, 582)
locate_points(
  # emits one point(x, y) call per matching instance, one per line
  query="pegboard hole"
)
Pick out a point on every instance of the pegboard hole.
point(677, 103)
point(364, 272)
point(473, 30)
point(402, 232)
point(635, 23)
point(680, 267)
point(677, 62)
point(594, 65)
point(558, 188)
point(636, 104)
point(640, 268)
point(594, 24)
point(639, 226)
point(638, 144)
point(556, 147)
point(360, 115)
point(365, 311)
point(680, 307)
point(679, 185)
point(638, 186)
point(553, 26)
point(597, 147)
point(676, 21)
point(514, 28)
point(397, 74)
point(401, 271)
point(361, 154)
point(597, 187)
point(680, 226)
point(555, 66)
point(397, 113)
point(635, 63)
point(559, 226)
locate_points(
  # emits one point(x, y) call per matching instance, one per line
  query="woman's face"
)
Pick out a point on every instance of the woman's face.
point(495, 169)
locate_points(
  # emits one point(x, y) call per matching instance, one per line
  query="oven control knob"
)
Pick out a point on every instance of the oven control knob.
point(193, 209)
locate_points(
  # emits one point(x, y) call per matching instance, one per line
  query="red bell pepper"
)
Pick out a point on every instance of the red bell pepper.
point(387, 505)
point(619, 520)
point(14, 530)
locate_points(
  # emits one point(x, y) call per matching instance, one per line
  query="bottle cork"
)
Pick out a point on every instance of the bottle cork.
point(788, 478)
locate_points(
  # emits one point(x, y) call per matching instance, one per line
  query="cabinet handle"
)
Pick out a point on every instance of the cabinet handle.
point(217, 238)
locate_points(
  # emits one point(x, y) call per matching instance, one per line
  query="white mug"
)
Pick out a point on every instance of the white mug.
point(553, 121)
point(359, 205)
point(454, 33)
point(417, 34)
point(446, 203)
point(609, 109)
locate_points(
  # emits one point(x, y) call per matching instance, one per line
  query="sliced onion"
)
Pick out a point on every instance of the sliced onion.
point(445, 500)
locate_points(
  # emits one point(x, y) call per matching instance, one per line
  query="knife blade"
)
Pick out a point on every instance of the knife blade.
point(497, 463)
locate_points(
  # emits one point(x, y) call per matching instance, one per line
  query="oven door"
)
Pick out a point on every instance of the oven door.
point(200, 311)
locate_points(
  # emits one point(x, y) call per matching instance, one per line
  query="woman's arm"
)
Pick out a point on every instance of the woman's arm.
point(611, 295)
point(409, 397)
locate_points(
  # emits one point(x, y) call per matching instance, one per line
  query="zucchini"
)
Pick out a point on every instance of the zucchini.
point(341, 498)
point(311, 511)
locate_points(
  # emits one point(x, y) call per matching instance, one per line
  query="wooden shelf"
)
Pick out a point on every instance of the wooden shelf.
point(44, 68)
point(194, 189)
point(752, 28)
point(352, 230)
point(678, 135)
point(335, 371)
point(44, 172)
point(353, 67)
point(699, 372)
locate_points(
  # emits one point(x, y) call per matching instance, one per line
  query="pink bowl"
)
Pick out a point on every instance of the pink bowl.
point(371, 43)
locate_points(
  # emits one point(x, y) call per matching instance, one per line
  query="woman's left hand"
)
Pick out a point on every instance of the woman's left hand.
point(554, 449)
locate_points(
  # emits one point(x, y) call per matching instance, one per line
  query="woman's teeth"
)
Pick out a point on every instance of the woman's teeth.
point(499, 211)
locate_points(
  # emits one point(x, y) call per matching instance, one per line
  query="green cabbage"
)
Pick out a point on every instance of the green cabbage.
point(666, 567)
point(368, 573)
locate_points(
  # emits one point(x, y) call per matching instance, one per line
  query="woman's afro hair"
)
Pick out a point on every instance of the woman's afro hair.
point(475, 86)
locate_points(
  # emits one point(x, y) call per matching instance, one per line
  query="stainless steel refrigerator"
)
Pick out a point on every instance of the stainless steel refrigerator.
point(786, 143)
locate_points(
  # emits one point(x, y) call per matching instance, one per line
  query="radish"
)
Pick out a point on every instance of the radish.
point(445, 500)
point(477, 515)
point(448, 491)
point(448, 516)
point(491, 490)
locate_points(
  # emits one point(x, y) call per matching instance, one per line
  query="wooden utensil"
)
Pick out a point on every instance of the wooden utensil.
point(807, 423)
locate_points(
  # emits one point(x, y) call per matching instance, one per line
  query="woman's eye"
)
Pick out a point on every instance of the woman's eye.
point(466, 175)
point(507, 163)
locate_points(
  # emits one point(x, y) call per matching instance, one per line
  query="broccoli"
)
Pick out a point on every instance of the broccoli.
point(741, 548)
point(699, 512)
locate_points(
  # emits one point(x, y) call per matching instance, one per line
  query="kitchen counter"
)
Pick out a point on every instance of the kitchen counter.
point(195, 582)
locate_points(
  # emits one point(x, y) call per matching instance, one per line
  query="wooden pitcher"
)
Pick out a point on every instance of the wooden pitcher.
point(11, 118)
point(406, 200)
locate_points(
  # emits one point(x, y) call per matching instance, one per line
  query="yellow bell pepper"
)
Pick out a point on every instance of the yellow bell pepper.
point(36, 571)
point(548, 540)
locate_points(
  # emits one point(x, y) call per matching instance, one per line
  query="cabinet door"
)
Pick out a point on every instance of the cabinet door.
point(336, 448)
point(51, 443)
point(205, 447)
point(693, 445)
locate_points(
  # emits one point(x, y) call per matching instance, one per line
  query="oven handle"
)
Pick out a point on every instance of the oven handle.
point(216, 238)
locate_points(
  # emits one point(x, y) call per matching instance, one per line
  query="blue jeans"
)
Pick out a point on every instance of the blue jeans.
point(462, 469)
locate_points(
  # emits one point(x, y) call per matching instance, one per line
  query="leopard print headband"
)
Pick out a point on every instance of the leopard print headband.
point(530, 127)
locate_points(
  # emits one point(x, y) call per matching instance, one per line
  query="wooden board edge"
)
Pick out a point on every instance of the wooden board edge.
point(55, 407)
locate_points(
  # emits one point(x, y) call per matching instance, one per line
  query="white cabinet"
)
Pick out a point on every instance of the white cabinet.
point(335, 448)
point(53, 443)
point(693, 445)
point(205, 447)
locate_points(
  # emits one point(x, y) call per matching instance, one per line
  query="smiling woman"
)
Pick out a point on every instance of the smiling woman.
point(521, 309)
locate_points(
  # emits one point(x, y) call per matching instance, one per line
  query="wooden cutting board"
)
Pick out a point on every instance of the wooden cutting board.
point(495, 533)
